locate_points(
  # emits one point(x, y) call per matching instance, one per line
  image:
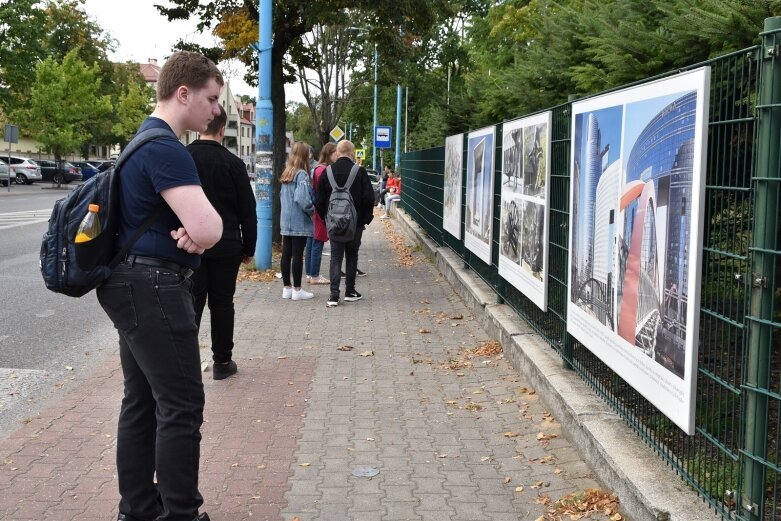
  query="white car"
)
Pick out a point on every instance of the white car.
point(3, 174)
point(24, 170)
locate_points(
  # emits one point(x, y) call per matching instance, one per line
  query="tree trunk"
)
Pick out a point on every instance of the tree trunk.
point(278, 131)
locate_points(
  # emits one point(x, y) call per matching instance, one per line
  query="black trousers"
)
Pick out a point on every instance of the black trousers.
point(292, 259)
point(215, 280)
point(162, 410)
point(340, 250)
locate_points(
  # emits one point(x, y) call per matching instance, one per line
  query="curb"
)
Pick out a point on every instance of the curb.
point(647, 487)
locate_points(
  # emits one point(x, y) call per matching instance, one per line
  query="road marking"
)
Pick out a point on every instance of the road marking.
point(14, 219)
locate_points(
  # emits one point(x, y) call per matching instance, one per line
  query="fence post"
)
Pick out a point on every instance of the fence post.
point(766, 190)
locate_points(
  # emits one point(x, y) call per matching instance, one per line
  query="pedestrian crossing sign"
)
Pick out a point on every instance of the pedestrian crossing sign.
point(360, 153)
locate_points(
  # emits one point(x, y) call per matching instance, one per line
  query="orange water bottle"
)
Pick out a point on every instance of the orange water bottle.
point(90, 226)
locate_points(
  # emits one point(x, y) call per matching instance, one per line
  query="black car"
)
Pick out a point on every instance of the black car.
point(65, 173)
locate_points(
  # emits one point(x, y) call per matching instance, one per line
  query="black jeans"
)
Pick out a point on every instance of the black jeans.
point(162, 410)
point(215, 278)
point(292, 254)
point(338, 251)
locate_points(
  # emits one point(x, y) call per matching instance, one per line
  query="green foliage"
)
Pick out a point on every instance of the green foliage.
point(299, 121)
point(130, 110)
point(528, 55)
point(69, 27)
point(21, 47)
point(64, 99)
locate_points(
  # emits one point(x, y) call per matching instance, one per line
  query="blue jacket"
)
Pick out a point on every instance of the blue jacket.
point(297, 207)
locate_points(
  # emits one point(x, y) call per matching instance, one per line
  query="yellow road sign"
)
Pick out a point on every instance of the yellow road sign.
point(360, 153)
point(336, 134)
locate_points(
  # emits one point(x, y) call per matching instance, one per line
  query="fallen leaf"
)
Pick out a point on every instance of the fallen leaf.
point(304, 464)
point(520, 489)
point(69, 368)
point(345, 348)
point(424, 331)
point(281, 357)
point(510, 434)
point(367, 353)
point(442, 455)
point(369, 439)
point(507, 480)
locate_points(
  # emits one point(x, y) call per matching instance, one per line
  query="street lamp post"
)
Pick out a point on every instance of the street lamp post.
point(374, 126)
point(374, 130)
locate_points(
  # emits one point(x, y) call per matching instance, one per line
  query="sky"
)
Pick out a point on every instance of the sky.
point(143, 33)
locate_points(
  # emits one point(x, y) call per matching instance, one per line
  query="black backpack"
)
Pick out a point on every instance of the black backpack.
point(341, 219)
point(76, 269)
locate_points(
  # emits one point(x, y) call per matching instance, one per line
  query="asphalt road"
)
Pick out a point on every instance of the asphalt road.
point(48, 342)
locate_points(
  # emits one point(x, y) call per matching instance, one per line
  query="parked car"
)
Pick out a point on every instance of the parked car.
point(105, 165)
point(4, 177)
point(66, 173)
point(88, 168)
point(24, 170)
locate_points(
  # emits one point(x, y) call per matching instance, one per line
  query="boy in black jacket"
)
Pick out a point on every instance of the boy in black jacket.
point(363, 198)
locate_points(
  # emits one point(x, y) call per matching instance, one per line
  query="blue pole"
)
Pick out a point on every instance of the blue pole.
point(398, 126)
point(374, 130)
point(264, 139)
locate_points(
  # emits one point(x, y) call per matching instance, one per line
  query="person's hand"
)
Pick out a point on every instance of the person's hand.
point(184, 242)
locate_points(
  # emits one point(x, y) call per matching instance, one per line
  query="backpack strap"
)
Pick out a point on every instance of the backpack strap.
point(140, 139)
point(350, 178)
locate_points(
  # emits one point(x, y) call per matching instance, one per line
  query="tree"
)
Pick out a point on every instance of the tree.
point(328, 85)
point(299, 121)
point(63, 99)
point(394, 25)
point(69, 27)
point(131, 109)
point(21, 48)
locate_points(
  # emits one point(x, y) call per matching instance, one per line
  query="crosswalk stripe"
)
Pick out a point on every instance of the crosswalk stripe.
point(14, 219)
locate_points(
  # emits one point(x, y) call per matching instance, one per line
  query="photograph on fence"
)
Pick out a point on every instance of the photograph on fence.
point(451, 201)
point(478, 218)
point(523, 235)
point(636, 222)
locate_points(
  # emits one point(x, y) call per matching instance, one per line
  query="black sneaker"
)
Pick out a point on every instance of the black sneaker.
point(352, 296)
point(332, 301)
point(204, 516)
point(223, 371)
point(360, 273)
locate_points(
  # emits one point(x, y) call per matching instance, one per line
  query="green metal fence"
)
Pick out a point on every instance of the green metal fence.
point(733, 459)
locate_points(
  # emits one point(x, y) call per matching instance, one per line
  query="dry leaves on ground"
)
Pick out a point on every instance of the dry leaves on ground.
point(486, 349)
point(403, 252)
point(248, 271)
point(581, 505)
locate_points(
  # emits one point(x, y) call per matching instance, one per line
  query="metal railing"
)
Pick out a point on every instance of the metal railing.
point(733, 458)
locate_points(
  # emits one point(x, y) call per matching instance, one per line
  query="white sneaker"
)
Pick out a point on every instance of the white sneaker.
point(302, 294)
point(287, 292)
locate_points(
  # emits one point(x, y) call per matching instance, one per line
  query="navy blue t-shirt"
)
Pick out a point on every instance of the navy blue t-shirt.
point(156, 166)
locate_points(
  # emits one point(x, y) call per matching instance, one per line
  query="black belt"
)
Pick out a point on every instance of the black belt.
point(184, 271)
point(231, 234)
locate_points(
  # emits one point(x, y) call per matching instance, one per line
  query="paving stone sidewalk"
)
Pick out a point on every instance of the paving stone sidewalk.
point(453, 436)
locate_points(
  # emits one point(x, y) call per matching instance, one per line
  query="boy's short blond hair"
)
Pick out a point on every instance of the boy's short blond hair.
point(345, 148)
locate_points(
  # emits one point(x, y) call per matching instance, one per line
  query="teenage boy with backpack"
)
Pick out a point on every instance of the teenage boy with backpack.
point(363, 199)
point(148, 299)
